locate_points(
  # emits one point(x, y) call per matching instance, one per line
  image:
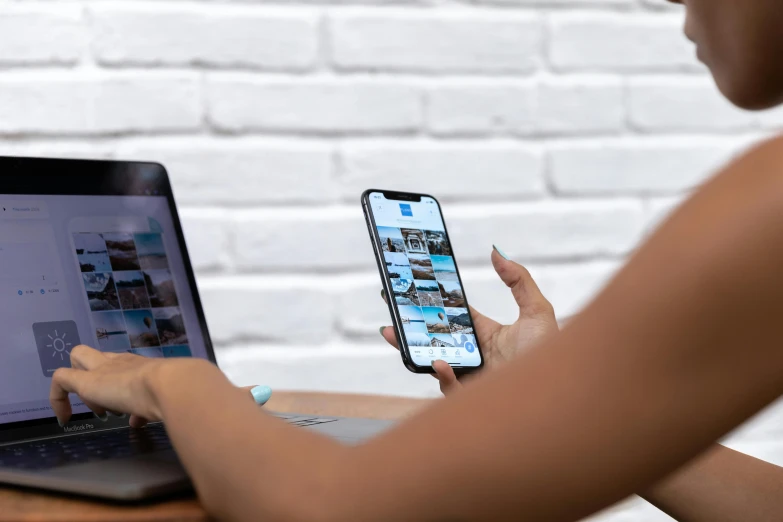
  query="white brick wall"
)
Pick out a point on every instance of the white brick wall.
point(98, 103)
point(226, 36)
point(435, 42)
point(243, 103)
point(626, 42)
point(563, 130)
point(47, 35)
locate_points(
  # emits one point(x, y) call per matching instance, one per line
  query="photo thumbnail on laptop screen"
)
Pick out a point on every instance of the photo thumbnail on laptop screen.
point(105, 271)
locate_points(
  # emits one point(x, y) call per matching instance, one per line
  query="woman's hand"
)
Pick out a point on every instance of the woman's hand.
point(125, 383)
point(499, 343)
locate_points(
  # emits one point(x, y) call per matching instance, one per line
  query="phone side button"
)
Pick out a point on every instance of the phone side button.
point(372, 237)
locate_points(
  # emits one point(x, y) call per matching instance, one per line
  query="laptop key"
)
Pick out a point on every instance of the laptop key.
point(310, 421)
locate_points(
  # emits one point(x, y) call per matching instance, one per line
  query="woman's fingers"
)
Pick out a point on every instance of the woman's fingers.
point(524, 289)
point(259, 394)
point(137, 422)
point(99, 412)
point(446, 376)
point(388, 333)
point(443, 372)
point(63, 383)
point(85, 358)
point(484, 326)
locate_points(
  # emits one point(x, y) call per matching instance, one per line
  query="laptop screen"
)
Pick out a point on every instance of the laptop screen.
point(101, 270)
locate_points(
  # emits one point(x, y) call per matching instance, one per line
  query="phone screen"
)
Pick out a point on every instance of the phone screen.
point(422, 275)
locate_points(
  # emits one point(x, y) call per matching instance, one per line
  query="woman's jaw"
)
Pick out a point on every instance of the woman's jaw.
point(741, 43)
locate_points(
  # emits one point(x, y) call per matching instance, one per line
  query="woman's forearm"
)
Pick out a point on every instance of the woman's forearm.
point(678, 350)
point(721, 485)
point(245, 464)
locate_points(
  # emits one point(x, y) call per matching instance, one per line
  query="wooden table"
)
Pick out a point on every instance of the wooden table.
point(18, 505)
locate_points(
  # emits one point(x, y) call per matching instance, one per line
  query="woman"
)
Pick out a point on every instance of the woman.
point(680, 348)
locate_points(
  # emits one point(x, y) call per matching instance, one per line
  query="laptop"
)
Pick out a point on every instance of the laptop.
point(92, 252)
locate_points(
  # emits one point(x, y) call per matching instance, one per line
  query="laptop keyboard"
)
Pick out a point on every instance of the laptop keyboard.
point(111, 444)
point(102, 445)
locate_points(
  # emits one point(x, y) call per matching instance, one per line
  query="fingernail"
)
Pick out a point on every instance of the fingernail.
point(103, 417)
point(499, 251)
point(61, 423)
point(383, 293)
point(261, 394)
point(381, 329)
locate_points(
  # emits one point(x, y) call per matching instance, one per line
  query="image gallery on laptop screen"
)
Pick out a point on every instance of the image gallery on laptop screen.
point(105, 271)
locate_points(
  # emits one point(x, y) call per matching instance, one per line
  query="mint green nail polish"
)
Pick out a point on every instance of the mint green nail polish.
point(261, 394)
point(103, 417)
point(499, 251)
point(381, 329)
point(61, 423)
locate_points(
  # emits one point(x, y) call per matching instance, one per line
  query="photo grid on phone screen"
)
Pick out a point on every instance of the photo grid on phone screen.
point(130, 290)
point(426, 288)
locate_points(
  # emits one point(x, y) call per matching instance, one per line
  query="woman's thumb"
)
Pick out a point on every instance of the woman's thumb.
point(446, 377)
point(524, 289)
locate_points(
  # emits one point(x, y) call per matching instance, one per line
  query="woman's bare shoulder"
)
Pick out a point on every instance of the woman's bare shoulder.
point(733, 224)
point(752, 179)
point(765, 153)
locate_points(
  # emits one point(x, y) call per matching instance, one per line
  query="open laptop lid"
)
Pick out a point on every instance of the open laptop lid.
point(91, 252)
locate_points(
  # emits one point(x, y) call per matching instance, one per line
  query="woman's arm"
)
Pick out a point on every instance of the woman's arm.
point(245, 465)
point(722, 485)
point(680, 348)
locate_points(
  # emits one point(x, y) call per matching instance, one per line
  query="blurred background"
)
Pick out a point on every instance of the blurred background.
point(562, 130)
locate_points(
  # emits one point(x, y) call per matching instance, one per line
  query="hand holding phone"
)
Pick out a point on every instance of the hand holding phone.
point(427, 301)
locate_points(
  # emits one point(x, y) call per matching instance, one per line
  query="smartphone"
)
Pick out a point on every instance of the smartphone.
point(423, 286)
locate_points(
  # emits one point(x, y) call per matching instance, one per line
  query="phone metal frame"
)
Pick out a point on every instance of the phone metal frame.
point(372, 228)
